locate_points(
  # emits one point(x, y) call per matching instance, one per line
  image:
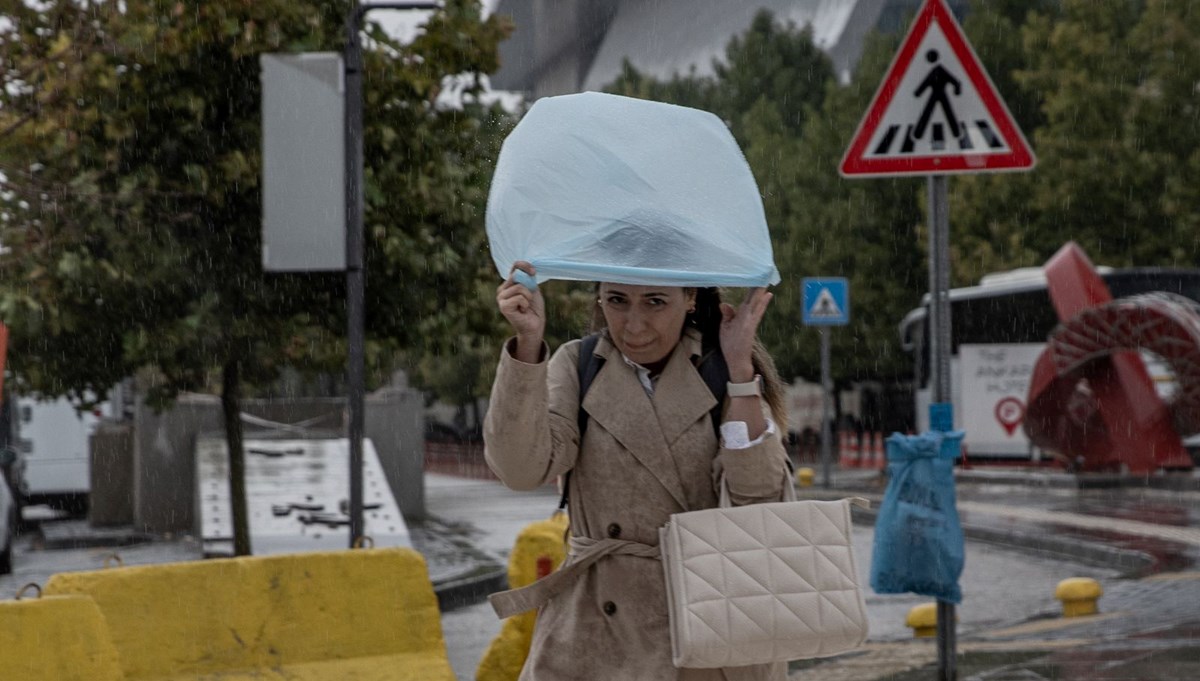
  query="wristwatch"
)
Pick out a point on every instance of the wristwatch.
point(754, 387)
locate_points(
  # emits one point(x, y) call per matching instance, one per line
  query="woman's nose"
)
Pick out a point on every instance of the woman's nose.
point(635, 322)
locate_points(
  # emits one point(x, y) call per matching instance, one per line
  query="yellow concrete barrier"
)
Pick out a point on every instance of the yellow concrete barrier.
point(1078, 596)
point(370, 615)
point(539, 549)
point(56, 638)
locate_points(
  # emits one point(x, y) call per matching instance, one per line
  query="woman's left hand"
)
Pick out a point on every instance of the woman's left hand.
point(739, 327)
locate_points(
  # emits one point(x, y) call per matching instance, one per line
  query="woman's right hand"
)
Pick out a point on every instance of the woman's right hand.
point(525, 310)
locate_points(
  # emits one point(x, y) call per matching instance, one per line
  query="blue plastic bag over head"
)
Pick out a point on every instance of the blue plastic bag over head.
point(918, 539)
point(596, 187)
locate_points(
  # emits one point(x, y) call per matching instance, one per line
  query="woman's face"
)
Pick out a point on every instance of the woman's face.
point(645, 322)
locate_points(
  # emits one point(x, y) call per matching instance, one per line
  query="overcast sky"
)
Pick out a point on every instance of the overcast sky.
point(404, 25)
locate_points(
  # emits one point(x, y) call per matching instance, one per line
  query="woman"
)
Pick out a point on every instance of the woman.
point(649, 450)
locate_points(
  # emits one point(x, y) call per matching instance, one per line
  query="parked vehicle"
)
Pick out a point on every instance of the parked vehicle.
point(9, 510)
point(54, 441)
point(999, 329)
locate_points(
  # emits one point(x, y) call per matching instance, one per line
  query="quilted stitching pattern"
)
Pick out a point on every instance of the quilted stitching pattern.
point(759, 583)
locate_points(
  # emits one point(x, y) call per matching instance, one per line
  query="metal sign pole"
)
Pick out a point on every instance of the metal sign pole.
point(826, 415)
point(355, 274)
point(939, 350)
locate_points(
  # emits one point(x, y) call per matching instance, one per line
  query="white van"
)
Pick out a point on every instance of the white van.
point(54, 442)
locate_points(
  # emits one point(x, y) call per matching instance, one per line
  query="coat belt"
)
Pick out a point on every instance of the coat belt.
point(582, 553)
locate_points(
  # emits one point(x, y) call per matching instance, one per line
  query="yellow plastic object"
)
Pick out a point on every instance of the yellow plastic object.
point(1078, 596)
point(506, 655)
point(804, 477)
point(367, 614)
point(923, 620)
point(56, 638)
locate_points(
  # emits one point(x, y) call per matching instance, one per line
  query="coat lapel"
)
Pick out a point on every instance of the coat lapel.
point(681, 398)
point(617, 402)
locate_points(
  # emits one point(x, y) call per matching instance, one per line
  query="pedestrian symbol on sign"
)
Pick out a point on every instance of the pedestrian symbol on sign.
point(936, 82)
point(825, 307)
point(825, 302)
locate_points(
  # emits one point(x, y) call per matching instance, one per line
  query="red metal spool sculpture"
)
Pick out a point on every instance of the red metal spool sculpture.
point(1091, 399)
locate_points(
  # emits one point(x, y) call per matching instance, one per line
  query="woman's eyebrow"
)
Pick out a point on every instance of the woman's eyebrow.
point(656, 293)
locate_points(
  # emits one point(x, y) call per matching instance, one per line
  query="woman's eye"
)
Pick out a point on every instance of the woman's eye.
point(613, 300)
point(657, 301)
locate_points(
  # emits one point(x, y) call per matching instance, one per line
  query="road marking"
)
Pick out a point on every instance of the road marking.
point(1047, 625)
point(1183, 535)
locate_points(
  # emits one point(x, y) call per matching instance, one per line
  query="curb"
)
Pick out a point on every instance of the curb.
point(1132, 564)
point(58, 538)
point(470, 590)
point(1173, 482)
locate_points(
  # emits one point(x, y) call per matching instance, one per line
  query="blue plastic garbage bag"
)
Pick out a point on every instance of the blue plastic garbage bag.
point(597, 187)
point(918, 539)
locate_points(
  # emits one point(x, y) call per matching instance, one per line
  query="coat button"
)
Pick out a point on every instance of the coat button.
point(614, 531)
point(610, 608)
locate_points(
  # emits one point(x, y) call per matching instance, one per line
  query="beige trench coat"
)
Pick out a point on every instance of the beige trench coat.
point(642, 459)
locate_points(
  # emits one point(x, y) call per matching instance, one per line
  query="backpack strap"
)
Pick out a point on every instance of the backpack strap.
point(715, 373)
point(587, 366)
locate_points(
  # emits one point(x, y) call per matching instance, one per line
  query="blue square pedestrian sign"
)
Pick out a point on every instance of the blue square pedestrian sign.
point(826, 301)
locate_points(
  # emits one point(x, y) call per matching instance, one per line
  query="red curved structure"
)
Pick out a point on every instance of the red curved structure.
point(1091, 399)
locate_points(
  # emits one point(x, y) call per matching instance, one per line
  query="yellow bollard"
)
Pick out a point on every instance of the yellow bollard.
point(539, 550)
point(1078, 596)
point(804, 477)
point(923, 620)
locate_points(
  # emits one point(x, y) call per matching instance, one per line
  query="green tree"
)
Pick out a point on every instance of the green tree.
point(130, 148)
point(865, 230)
point(1116, 138)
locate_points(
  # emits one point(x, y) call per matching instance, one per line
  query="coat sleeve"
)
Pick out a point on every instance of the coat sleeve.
point(531, 430)
point(755, 474)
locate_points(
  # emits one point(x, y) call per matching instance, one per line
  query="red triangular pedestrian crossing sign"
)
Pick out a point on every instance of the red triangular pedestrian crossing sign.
point(937, 112)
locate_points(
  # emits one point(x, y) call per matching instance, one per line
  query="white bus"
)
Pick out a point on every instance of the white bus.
point(998, 329)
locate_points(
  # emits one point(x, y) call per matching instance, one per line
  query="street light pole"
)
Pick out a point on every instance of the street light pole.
point(355, 274)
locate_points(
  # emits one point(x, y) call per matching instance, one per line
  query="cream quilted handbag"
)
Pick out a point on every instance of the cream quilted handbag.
point(762, 583)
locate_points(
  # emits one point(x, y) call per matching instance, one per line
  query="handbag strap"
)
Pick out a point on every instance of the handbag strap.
point(723, 501)
point(789, 494)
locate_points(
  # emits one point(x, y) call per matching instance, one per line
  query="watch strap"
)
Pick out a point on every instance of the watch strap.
point(749, 389)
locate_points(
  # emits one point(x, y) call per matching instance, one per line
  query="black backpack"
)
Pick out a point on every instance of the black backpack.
point(711, 366)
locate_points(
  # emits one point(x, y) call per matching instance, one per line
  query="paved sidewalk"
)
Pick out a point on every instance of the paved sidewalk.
point(1009, 624)
point(1148, 628)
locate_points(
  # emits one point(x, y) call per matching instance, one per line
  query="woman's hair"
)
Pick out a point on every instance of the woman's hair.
point(707, 320)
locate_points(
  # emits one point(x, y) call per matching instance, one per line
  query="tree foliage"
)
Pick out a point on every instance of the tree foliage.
point(130, 145)
point(1117, 133)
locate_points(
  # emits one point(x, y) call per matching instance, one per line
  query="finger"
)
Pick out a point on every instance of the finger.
point(516, 291)
point(764, 301)
point(523, 266)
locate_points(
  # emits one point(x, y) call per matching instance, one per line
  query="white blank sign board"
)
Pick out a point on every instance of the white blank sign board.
point(304, 162)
